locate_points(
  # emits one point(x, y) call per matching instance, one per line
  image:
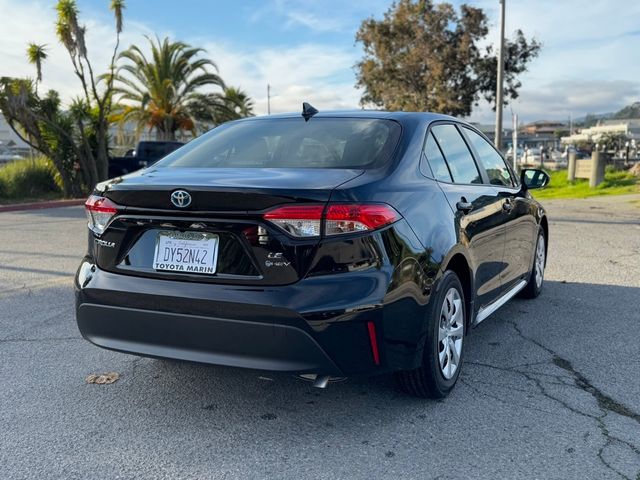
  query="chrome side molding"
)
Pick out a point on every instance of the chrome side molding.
point(483, 313)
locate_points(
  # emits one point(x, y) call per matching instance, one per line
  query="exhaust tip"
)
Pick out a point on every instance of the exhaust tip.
point(320, 381)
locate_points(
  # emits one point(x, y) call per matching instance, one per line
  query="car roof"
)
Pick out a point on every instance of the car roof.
point(379, 114)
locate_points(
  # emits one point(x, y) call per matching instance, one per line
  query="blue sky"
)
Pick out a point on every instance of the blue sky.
point(306, 50)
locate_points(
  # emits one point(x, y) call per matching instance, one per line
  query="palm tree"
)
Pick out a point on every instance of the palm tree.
point(36, 54)
point(117, 6)
point(212, 109)
point(161, 92)
point(238, 101)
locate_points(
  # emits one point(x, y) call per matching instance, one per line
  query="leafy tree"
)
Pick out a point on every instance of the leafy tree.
point(612, 141)
point(162, 92)
point(76, 139)
point(427, 57)
point(72, 35)
point(41, 123)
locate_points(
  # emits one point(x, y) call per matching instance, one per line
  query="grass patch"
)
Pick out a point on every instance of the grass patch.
point(615, 183)
point(29, 180)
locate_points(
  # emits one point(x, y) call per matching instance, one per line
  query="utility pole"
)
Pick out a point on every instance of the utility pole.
point(498, 137)
point(570, 124)
point(514, 142)
point(268, 99)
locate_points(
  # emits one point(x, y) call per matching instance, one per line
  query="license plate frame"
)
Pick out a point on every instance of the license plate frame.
point(187, 240)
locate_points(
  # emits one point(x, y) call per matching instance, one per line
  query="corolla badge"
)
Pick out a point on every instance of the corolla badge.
point(181, 199)
point(104, 243)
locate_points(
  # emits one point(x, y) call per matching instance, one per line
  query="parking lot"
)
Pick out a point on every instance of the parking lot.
point(550, 388)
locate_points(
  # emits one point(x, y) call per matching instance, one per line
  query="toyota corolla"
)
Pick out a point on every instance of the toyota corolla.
point(326, 244)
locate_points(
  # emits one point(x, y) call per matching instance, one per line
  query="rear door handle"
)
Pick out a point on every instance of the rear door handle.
point(464, 206)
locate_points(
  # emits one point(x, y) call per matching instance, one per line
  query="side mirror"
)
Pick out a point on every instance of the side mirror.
point(534, 178)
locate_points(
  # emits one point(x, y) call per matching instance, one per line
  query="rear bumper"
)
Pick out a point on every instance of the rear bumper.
point(203, 339)
point(317, 325)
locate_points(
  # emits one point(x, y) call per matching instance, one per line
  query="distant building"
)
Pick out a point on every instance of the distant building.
point(489, 129)
point(630, 128)
point(542, 133)
point(542, 128)
point(8, 137)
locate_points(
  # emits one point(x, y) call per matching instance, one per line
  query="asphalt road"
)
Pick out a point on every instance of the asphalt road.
point(550, 388)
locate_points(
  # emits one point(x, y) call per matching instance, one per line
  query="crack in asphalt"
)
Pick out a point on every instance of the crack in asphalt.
point(501, 400)
point(605, 402)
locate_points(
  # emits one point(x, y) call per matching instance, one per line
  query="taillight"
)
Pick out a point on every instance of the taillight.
point(306, 220)
point(358, 218)
point(297, 220)
point(99, 212)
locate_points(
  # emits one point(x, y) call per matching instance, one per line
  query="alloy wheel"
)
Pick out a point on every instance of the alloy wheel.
point(540, 261)
point(450, 333)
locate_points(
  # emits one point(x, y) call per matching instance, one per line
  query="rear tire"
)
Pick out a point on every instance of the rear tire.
point(443, 349)
point(536, 280)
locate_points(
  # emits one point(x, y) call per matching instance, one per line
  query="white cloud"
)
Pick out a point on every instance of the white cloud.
point(303, 73)
point(588, 62)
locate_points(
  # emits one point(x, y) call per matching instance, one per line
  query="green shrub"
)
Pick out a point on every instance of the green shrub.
point(29, 178)
point(618, 178)
point(615, 182)
point(3, 188)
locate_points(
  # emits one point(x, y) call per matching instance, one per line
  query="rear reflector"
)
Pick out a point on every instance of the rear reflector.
point(99, 212)
point(306, 220)
point(373, 340)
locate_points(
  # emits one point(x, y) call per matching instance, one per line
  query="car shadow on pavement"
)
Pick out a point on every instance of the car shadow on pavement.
point(524, 332)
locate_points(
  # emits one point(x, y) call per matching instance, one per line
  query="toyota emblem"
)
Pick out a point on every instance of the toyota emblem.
point(181, 199)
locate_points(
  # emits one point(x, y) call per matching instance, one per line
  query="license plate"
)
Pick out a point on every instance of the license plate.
point(186, 252)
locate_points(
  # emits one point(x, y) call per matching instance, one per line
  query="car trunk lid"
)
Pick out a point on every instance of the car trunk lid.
point(226, 189)
point(225, 203)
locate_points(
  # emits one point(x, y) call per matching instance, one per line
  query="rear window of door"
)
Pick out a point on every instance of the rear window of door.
point(491, 160)
point(458, 156)
point(436, 161)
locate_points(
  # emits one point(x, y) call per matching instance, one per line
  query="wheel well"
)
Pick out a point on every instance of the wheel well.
point(459, 265)
point(545, 228)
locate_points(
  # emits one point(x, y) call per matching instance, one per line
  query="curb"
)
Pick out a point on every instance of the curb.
point(15, 207)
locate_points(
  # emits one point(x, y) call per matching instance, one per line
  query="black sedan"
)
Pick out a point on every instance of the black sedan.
point(326, 244)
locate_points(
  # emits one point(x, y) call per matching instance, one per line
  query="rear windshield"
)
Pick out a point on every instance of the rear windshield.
point(291, 143)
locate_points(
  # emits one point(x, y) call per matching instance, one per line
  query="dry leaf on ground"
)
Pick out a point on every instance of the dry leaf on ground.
point(102, 378)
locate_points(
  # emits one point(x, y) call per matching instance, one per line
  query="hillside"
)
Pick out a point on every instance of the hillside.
point(630, 111)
